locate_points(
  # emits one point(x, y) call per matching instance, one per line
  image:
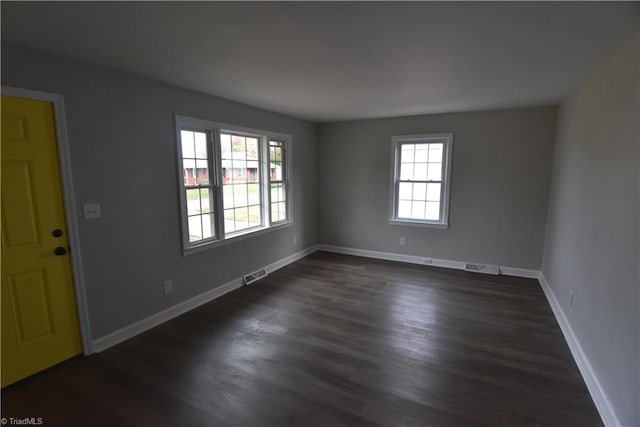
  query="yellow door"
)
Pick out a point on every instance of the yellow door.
point(39, 321)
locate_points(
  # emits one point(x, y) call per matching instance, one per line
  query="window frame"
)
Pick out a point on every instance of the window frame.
point(396, 146)
point(213, 130)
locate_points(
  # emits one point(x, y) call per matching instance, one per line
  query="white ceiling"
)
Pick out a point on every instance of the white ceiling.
point(337, 61)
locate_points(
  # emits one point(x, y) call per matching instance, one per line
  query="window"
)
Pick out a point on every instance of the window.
point(240, 196)
point(235, 182)
point(198, 191)
point(277, 181)
point(421, 179)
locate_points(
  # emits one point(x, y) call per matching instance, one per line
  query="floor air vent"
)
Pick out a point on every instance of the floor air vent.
point(482, 268)
point(256, 275)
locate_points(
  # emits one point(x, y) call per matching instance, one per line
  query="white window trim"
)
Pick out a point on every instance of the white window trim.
point(447, 139)
point(203, 125)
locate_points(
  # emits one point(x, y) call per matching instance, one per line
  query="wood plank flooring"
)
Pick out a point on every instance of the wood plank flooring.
point(332, 340)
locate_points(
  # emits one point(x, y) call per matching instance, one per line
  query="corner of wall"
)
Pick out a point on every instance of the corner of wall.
point(598, 394)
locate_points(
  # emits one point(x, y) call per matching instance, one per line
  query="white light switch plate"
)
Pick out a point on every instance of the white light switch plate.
point(91, 210)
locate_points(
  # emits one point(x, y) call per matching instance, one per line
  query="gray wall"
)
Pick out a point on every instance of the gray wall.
point(499, 188)
point(122, 143)
point(592, 236)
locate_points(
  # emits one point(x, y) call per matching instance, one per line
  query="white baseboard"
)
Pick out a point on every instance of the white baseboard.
point(598, 394)
point(156, 319)
point(389, 256)
point(412, 259)
point(290, 259)
point(520, 272)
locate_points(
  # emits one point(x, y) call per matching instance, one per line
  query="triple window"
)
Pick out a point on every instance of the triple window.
point(421, 179)
point(235, 181)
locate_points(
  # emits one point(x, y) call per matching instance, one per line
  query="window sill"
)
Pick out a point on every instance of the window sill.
point(411, 223)
point(255, 232)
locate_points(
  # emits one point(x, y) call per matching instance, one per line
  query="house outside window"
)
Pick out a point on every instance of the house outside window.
point(421, 179)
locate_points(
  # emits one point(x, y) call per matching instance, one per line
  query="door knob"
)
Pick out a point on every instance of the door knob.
point(57, 233)
point(60, 251)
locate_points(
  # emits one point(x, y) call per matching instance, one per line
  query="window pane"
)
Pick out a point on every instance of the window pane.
point(193, 201)
point(195, 228)
point(227, 196)
point(435, 172)
point(433, 211)
point(204, 200)
point(202, 172)
point(253, 173)
point(435, 152)
point(252, 148)
point(433, 192)
point(225, 145)
point(277, 171)
point(240, 195)
point(278, 212)
point(281, 193)
point(254, 194)
point(254, 216)
point(406, 171)
point(201, 145)
point(238, 147)
point(419, 191)
point(420, 172)
point(275, 194)
point(207, 226)
point(404, 209)
point(251, 165)
point(422, 153)
point(417, 210)
point(407, 153)
point(239, 170)
point(229, 223)
point(277, 154)
point(186, 138)
point(241, 218)
point(405, 191)
point(276, 151)
point(189, 171)
point(275, 213)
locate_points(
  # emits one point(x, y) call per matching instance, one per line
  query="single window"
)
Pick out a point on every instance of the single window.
point(240, 195)
point(234, 181)
point(277, 181)
point(197, 191)
point(421, 179)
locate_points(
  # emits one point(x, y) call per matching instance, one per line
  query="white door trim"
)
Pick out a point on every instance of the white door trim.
point(64, 162)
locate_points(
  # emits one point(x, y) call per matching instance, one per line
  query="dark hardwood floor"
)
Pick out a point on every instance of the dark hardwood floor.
point(332, 340)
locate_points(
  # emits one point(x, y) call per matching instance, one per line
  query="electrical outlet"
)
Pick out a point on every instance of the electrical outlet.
point(403, 241)
point(570, 298)
point(428, 261)
point(167, 286)
point(295, 240)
